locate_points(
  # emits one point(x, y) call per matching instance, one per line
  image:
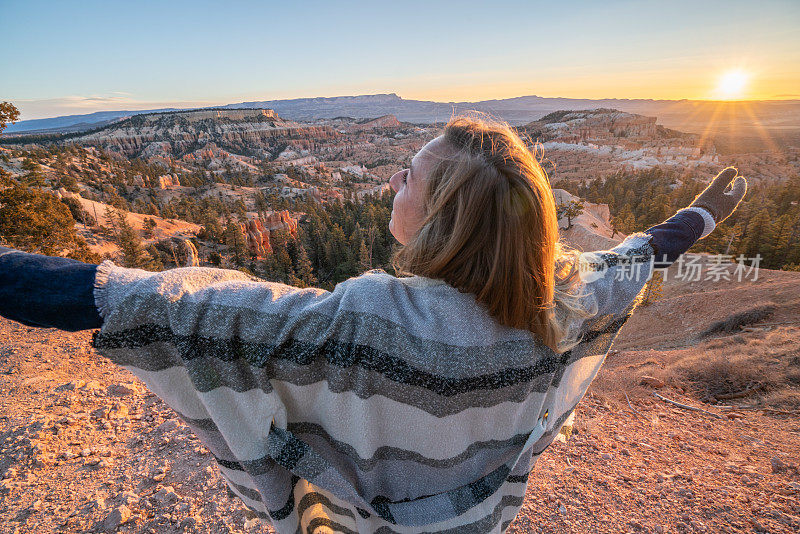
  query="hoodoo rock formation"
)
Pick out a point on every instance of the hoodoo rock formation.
point(257, 231)
point(592, 229)
point(168, 180)
point(281, 220)
point(257, 237)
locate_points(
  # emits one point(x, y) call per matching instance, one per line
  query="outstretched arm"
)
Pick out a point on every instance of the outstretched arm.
point(677, 234)
point(614, 277)
point(47, 291)
point(53, 292)
point(611, 280)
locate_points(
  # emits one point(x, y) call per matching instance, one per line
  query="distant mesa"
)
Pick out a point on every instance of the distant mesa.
point(201, 135)
point(218, 114)
point(686, 115)
point(601, 124)
point(608, 140)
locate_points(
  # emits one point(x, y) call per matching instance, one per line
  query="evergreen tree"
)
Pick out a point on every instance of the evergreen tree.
point(280, 253)
point(303, 269)
point(781, 245)
point(5, 178)
point(758, 236)
point(364, 261)
point(571, 210)
point(372, 234)
point(111, 218)
point(336, 252)
point(261, 203)
point(9, 114)
point(149, 227)
point(35, 221)
point(133, 252)
point(214, 258)
point(236, 242)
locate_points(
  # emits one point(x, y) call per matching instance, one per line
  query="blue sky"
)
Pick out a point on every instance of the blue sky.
point(77, 57)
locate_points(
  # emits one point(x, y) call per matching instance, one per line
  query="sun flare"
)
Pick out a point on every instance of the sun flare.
point(732, 84)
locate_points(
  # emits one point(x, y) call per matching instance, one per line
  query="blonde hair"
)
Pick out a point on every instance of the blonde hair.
point(491, 229)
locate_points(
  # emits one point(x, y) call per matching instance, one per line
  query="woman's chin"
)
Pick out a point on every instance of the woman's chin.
point(391, 231)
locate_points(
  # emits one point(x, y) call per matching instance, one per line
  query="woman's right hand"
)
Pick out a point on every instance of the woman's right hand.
point(714, 198)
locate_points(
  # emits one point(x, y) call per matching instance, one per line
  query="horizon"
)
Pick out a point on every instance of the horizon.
point(185, 55)
point(165, 107)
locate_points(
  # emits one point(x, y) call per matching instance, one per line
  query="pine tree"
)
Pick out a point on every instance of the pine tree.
point(572, 210)
point(625, 221)
point(793, 256)
point(133, 252)
point(364, 262)
point(35, 221)
point(149, 227)
point(261, 203)
point(758, 236)
point(372, 234)
point(280, 244)
point(236, 242)
point(9, 114)
point(336, 253)
point(303, 269)
point(782, 232)
point(110, 217)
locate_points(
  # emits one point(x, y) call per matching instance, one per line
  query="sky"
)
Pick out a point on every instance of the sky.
point(61, 58)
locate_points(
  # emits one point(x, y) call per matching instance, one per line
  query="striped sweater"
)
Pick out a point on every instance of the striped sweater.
point(386, 405)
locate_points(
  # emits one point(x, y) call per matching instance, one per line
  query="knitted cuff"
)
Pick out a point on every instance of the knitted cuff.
point(100, 287)
point(707, 218)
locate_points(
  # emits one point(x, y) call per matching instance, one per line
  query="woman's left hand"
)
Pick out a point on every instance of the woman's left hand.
point(719, 202)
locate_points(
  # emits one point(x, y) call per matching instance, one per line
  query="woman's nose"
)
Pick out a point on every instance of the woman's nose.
point(394, 181)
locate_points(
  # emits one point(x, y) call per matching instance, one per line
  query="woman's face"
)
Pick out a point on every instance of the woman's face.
point(408, 210)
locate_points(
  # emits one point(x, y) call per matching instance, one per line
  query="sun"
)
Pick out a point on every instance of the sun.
point(732, 84)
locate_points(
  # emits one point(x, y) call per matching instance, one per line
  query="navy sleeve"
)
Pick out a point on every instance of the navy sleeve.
point(675, 236)
point(47, 291)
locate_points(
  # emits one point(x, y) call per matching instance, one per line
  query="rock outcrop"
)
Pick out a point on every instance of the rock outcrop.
point(182, 251)
point(176, 134)
point(281, 220)
point(603, 141)
point(387, 121)
point(168, 180)
point(593, 125)
point(591, 230)
point(257, 237)
point(257, 231)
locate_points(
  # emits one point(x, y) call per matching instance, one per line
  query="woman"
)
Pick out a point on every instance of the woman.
point(392, 404)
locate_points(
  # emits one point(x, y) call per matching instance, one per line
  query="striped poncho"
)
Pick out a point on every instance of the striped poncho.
point(386, 405)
